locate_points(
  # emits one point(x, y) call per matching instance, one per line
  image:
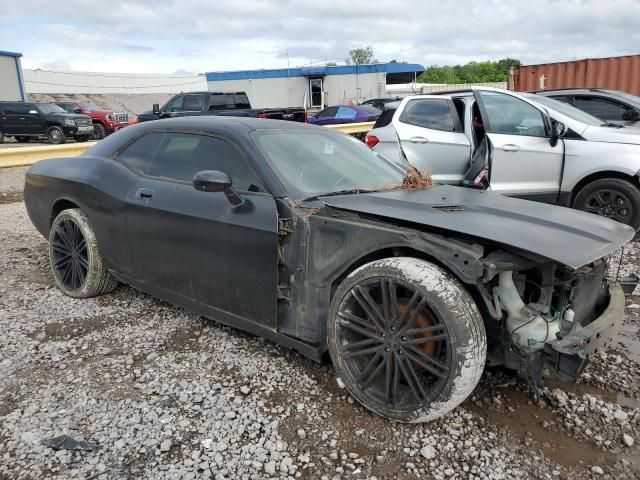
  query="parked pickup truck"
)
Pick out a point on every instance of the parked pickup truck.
point(522, 145)
point(104, 121)
point(235, 104)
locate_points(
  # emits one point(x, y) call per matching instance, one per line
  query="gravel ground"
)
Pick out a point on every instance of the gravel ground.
point(163, 393)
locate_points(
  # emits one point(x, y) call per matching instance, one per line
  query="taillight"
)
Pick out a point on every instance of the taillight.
point(371, 141)
point(263, 115)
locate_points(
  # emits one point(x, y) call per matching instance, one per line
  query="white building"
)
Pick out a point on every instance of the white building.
point(314, 87)
point(72, 82)
point(11, 84)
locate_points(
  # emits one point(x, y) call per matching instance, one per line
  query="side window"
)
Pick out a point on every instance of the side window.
point(512, 116)
point(601, 108)
point(328, 112)
point(138, 155)
point(16, 109)
point(221, 102)
point(181, 155)
point(385, 118)
point(241, 101)
point(174, 104)
point(433, 113)
point(346, 113)
point(193, 103)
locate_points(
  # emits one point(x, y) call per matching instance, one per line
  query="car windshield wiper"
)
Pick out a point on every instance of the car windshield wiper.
point(339, 192)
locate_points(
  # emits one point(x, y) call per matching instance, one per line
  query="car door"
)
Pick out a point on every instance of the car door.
point(194, 244)
point(15, 119)
point(432, 138)
point(523, 161)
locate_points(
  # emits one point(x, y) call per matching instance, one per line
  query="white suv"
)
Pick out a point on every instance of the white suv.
point(538, 148)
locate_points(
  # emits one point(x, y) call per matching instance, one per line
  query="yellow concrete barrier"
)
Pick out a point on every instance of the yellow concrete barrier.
point(24, 156)
point(351, 128)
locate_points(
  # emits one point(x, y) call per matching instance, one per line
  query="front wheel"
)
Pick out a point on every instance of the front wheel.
point(76, 263)
point(406, 339)
point(55, 135)
point(614, 198)
point(99, 132)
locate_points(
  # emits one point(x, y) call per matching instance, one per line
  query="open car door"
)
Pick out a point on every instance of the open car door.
point(431, 137)
point(524, 163)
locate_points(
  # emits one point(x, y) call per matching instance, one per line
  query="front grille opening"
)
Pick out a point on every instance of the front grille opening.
point(447, 208)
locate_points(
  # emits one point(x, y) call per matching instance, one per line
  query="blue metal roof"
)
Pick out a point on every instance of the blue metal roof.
point(319, 71)
point(10, 54)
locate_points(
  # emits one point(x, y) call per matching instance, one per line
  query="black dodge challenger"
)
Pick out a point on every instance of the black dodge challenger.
point(308, 238)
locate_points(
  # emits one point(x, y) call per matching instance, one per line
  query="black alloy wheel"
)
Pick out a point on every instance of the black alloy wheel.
point(614, 198)
point(70, 259)
point(396, 349)
point(610, 203)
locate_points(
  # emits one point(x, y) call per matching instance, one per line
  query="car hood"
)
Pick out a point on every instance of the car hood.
point(612, 135)
point(567, 236)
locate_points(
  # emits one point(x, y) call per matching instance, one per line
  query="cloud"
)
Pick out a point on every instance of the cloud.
point(56, 64)
point(194, 35)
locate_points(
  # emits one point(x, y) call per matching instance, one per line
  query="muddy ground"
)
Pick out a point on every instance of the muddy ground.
point(164, 393)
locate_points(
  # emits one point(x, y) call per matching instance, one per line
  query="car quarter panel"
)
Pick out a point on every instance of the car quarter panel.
point(97, 186)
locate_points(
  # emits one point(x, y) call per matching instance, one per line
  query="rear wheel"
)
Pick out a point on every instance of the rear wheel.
point(22, 139)
point(99, 132)
point(55, 135)
point(614, 198)
point(76, 263)
point(406, 339)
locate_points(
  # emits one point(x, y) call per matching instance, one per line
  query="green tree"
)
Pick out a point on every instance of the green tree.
point(359, 56)
point(472, 72)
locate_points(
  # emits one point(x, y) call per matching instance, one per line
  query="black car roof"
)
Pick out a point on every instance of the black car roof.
point(216, 123)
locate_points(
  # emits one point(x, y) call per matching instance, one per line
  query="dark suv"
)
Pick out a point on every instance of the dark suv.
point(27, 120)
point(612, 106)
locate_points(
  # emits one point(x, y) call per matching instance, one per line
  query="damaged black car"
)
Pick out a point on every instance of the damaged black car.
point(306, 237)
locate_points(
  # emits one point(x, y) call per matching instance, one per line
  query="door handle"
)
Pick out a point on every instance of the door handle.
point(419, 140)
point(144, 194)
point(510, 147)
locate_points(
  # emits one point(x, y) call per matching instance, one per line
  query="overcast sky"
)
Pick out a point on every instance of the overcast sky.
point(162, 36)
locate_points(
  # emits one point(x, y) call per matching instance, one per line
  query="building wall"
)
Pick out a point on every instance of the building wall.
point(294, 91)
point(9, 78)
point(47, 81)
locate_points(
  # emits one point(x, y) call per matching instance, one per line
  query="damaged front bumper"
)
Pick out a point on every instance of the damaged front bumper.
point(565, 358)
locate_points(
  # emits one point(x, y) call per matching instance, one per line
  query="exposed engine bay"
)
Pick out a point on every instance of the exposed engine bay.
point(548, 319)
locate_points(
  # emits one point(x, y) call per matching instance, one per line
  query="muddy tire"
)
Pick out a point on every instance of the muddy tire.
point(99, 132)
point(55, 135)
point(76, 263)
point(406, 339)
point(614, 198)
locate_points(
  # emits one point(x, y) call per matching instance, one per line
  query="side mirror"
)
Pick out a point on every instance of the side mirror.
point(631, 115)
point(215, 181)
point(156, 109)
point(77, 110)
point(558, 130)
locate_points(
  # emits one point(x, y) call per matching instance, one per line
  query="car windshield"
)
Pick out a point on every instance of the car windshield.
point(566, 109)
point(629, 97)
point(50, 108)
point(313, 163)
point(92, 107)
